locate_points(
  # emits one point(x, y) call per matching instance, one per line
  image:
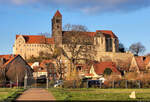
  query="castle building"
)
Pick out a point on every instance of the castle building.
point(32, 45)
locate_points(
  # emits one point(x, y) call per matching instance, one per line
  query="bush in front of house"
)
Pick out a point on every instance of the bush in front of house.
point(107, 71)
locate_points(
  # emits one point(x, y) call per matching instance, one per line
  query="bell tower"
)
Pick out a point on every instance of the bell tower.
point(57, 28)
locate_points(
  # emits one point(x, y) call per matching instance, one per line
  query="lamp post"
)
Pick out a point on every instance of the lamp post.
point(47, 77)
point(25, 81)
point(60, 69)
point(47, 81)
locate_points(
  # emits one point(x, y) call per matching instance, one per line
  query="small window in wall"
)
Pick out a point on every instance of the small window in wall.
point(102, 40)
point(57, 20)
point(79, 68)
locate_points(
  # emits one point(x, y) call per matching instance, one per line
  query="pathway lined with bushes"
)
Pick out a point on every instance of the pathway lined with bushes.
point(36, 94)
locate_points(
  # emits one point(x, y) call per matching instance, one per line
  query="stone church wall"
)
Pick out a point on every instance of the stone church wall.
point(121, 59)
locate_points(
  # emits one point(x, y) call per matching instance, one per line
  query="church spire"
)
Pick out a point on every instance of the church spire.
point(58, 14)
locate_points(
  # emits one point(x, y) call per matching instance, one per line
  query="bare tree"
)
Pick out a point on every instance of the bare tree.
point(77, 46)
point(46, 34)
point(74, 27)
point(121, 48)
point(56, 54)
point(2, 76)
point(137, 48)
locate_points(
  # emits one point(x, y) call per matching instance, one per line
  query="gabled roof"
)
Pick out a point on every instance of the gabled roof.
point(101, 66)
point(107, 32)
point(37, 39)
point(58, 14)
point(140, 62)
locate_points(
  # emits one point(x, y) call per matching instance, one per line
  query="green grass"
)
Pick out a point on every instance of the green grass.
point(100, 94)
point(9, 94)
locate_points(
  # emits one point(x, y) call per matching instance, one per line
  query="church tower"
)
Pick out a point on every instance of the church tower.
point(57, 28)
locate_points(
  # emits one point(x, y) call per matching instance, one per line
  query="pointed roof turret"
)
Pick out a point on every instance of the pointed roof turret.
point(58, 14)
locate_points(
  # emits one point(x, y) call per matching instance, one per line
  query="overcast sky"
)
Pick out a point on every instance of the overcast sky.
point(128, 19)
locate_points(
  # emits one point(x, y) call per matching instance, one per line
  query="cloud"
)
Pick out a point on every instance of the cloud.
point(86, 6)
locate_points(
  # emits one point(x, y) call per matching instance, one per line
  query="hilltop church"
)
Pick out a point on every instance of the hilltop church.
point(32, 45)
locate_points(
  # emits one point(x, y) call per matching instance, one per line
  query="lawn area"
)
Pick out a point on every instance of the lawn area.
point(9, 93)
point(100, 94)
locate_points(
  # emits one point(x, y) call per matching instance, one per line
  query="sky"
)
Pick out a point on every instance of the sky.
point(128, 19)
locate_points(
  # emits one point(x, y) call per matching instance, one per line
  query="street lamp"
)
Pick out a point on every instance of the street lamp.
point(25, 80)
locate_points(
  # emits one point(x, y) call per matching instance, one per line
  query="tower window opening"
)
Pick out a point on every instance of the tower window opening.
point(57, 21)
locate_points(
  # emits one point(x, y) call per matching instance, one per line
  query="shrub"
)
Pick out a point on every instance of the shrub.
point(123, 84)
point(107, 71)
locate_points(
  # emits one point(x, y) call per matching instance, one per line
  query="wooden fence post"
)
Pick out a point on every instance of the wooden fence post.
point(87, 84)
point(126, 83)
point(139, 84)
point(113, 84)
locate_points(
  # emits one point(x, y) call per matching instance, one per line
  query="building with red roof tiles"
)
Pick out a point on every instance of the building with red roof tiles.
point(15, 66)
point(147, 62)
point(32, 45)
point(140, 63)
point(46, 68)
point(101, 66)
point(97, 69)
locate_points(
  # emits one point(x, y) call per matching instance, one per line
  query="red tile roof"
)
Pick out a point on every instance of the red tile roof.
point(30, 64)
point(50, 40)
point(89, 75)
point(58, 14)
point(147, 60)
point(6, 57)
point(42, 64)
point(42, 67)
point(107, 32)
point(9, 58)
point(140, 62)
point(37, 39)
point(101, 66)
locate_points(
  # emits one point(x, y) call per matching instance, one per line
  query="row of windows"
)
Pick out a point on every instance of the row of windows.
point(35, 45)
point(28, 49)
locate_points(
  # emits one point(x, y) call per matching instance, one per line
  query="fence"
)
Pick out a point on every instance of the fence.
point(35, 83)
point(29, 82)
point(106, 84)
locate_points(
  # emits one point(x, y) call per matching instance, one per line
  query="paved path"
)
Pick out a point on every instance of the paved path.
point(36, 94)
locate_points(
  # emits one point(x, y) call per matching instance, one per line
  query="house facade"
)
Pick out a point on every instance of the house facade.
point(15, 68)
point(45, 69)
